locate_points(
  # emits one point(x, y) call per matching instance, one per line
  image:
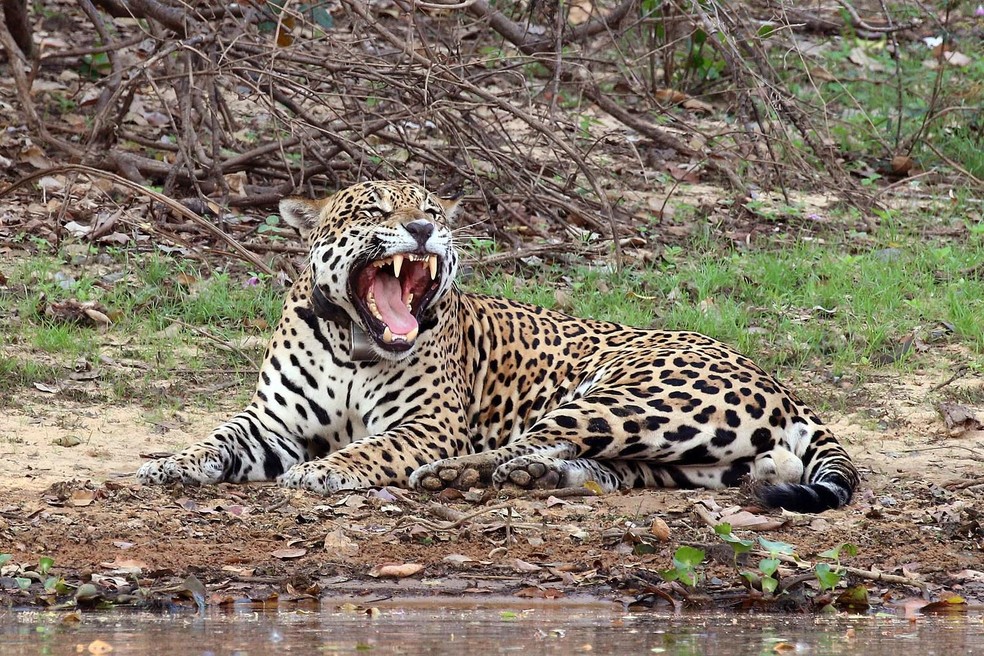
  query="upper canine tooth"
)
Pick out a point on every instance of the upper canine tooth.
point(432, 263)
point(397, 264)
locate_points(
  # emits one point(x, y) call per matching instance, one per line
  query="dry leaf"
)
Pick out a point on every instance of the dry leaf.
point(81, 498)
point(959, 418)
point(395, 571)
point(861, 58)
point(751, 521)
point(457, 559)
point(239, 571)
point(671, 96)
point(125, 566)
point(697, 105)
point(338, 542)
point(594, 487)
point(660, 530)
point(289, 554)
point(523, 566)
point(99, 647)
point(957, 59)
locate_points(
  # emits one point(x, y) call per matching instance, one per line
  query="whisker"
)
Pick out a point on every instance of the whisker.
point(469, 225)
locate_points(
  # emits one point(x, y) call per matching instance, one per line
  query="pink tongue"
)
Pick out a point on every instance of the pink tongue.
point(389, 301)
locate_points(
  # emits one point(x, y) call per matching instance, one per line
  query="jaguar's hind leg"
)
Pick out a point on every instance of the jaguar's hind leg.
point(542, 472)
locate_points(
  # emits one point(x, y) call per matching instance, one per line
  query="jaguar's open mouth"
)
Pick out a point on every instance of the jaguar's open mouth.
point(391, 294)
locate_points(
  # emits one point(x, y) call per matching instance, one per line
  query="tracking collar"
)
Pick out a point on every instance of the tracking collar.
point(359, 345)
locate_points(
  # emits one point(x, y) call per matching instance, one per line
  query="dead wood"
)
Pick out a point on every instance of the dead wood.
point(246, 103)
point(18, 24)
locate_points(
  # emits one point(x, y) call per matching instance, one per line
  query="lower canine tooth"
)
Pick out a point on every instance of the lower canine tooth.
point(387, 335)
point(412, 335)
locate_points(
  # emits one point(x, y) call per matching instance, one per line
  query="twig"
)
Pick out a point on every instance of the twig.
point(856, 571)
point(454, 518)
point(959, 373)
point(560, 493)
point(941, 65)
point(976, 455)
point(161, 198)
point(535, 251)
point(859, 22)
point(358, 8)
point(978, 182)
point(219, 341)
point(963, 485)
point(109, 46)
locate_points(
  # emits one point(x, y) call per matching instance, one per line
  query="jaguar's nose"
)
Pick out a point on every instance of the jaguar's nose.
point(420, 230)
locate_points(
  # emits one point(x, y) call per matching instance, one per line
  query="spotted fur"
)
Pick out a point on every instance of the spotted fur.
point(489, 391)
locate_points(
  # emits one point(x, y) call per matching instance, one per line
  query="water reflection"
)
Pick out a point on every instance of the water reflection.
point(491, 627)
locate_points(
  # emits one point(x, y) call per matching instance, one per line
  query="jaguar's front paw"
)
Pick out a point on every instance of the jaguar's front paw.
point(532, 472)
point(318, 476)
point(462, 473)
point(201, 466)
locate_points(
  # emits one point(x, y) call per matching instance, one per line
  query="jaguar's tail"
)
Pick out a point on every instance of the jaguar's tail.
point(834, 492)
point(829, 479)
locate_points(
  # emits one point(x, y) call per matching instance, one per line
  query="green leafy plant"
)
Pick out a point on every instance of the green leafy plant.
point(22, 582)
point(686, 560)
point(768, 567)
point(830, 575)
point(271, 228)
point(481, 247)
point(738, 545)
point(766, 576)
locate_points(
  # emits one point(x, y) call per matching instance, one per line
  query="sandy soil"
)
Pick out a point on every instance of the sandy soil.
point(919, 515)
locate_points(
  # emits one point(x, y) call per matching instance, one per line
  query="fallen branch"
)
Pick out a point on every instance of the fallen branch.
point(239, 250)
point(856, 571)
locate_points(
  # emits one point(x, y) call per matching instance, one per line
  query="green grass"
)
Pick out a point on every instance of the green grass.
point(804, 305)
point(841, 305)
point(879, 108)
point(152, 300)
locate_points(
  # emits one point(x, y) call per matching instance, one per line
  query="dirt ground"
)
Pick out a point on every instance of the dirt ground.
point(917, 518)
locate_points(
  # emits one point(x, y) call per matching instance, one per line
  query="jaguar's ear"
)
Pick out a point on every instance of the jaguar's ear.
point(302, 214)
point(450, 205)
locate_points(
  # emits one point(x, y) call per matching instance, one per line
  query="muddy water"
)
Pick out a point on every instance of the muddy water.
point(477, 629)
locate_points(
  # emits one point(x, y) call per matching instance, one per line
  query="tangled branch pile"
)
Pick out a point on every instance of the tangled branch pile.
point(548, 108)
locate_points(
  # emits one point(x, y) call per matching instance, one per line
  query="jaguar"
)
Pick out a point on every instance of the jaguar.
point(382, 372)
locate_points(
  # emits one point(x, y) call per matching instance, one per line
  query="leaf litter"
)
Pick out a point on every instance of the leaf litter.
point(145, 544)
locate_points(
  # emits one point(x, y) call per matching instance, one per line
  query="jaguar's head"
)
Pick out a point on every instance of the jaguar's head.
point(382, 252)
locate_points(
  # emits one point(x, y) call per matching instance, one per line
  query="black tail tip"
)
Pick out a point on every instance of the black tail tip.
point(804, 498)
